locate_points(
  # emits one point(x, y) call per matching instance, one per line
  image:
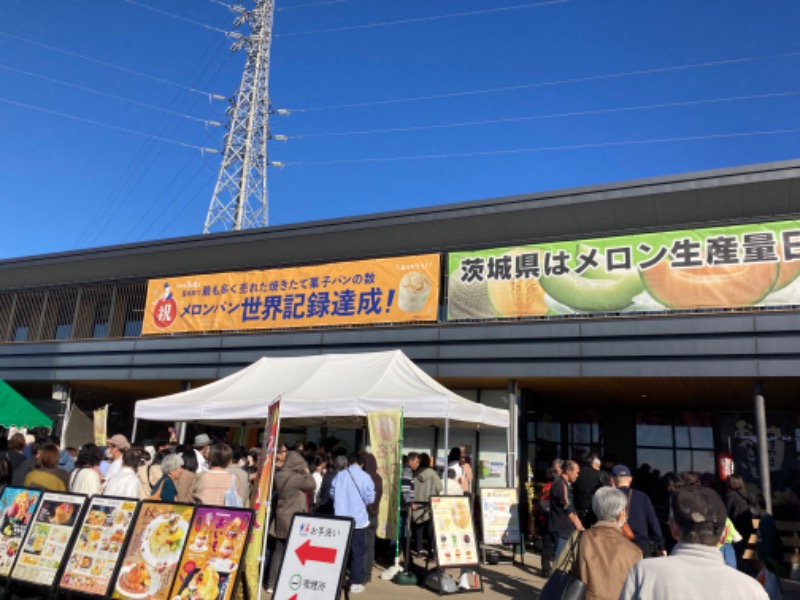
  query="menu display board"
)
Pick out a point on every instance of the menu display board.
point(48, 538)
point(500, 514)
point(151, 558)
point(17, 507)
point(213, 554)
point(453, 530)
point(101, 537)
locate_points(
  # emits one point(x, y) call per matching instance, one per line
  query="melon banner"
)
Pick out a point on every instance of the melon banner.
point(713, 268)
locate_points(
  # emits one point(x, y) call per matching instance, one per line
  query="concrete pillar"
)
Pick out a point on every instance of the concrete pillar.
point(763, 444)
point(512, 439)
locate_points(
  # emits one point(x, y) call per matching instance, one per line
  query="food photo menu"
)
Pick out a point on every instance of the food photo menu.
point(17, 506)
point(151, 558)
point(47, 539)
point(101, 538)
point(213, 554)
point(454, 531)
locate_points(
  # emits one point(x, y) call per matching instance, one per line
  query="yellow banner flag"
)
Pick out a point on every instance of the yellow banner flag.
point(100, 417)
point(385, 437)
point(254, 557)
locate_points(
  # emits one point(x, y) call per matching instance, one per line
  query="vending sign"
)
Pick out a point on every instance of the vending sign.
point(151, 559)
point(17, 507)
point(94, 556)
point(47, 539)
point(213, 555)
point(454, 532)
point(500, 516)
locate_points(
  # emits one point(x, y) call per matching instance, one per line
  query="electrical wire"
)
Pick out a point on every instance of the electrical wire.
point(553, 82)
point(691, 138)
point(107, 95)
point(174, 16)
point(424, 19)
point(579, 113)
point(104, 63)
point(310, 5)
point(106, 125)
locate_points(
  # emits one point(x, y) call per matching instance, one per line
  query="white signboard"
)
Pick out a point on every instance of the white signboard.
point(314, 561)
point(500, 513)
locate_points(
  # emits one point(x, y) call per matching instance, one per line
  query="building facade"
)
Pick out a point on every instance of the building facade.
point(676, 388)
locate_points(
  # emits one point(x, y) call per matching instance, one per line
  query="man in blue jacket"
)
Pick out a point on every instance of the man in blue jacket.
point(352, 490)
point(641, 514)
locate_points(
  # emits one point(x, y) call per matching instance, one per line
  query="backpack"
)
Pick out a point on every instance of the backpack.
point(232, 497)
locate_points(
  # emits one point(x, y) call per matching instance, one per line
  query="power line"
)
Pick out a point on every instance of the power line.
point(309, 5)
point(174, 16)
point(108, 95)
point(104, 63)
point(106, 125)
point(554, 82)
point(579, 113)
point(424, 19)
point(717, 136)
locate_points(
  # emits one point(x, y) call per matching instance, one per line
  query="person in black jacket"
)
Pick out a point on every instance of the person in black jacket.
point(641, 514)
point(737, 502)
point(589, 480)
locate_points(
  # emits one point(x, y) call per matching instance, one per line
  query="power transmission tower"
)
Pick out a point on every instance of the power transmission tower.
point(240, 195)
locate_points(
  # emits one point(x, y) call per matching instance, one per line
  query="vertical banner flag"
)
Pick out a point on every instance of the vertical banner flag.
point(261, 504)
point(100, 416)
point(385, 429)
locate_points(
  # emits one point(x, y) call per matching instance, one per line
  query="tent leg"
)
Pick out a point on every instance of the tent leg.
point(133, 433)
point(446, 444)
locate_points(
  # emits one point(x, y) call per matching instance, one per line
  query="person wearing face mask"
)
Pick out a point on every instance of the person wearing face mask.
point(605, 555)
point(117, 445)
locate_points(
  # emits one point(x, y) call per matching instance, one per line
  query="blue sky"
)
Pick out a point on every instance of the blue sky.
point(518, 75)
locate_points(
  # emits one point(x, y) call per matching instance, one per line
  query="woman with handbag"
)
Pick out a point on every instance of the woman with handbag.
point(166, 488)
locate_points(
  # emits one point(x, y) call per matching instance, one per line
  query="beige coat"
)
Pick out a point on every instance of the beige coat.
point(292, 483)
point(605, 557)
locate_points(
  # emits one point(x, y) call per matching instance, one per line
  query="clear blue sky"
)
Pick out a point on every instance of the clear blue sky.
point(67, 184)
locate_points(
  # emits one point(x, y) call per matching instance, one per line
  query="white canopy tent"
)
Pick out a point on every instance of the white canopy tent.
point(326, 389)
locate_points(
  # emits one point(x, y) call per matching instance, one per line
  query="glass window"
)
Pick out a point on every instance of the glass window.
point(654, 428)
point(657, 458)
point(63, 331)
point(21, 333)
point(584, 434)
point(677, 442)
point(694, 430)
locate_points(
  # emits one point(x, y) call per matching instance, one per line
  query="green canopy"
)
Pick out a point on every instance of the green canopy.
point(18, 412)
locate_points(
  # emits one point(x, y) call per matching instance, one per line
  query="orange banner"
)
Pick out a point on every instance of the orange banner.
point(389, 290)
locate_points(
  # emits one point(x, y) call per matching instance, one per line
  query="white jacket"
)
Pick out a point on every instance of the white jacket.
point(125, 483)
point(690, 572)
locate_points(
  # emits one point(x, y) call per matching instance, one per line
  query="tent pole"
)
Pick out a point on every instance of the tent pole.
point(446, 442)
point(133, 433)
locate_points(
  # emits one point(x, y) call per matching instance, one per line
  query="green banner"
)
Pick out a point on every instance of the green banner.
point(714, 268)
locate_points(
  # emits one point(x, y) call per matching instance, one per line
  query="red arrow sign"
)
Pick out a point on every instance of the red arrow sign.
point(306, 552)
point(293, 597)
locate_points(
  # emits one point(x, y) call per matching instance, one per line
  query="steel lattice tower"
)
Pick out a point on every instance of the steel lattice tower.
point(240, 195)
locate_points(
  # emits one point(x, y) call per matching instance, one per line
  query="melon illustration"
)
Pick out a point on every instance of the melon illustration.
point(468, 300)
point(596, 289)
point(721, 286)
point(789, 272)
point(517, 297)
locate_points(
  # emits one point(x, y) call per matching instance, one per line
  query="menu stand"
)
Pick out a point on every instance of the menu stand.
point(470, 567)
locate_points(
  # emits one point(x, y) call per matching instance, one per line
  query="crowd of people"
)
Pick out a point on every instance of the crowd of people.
point(598, 525)
point(324, 479)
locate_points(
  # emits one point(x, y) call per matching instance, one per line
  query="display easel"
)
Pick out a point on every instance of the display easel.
point(500, 522)
point(454, 539)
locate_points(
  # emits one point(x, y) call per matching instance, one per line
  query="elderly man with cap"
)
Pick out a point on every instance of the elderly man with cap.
point(641, 514)
point(117, 445)
point(201, 445)
point(696, 568)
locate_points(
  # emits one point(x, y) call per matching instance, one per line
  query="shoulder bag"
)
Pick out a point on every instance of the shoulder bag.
point(562, 585)
point(626, 528)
